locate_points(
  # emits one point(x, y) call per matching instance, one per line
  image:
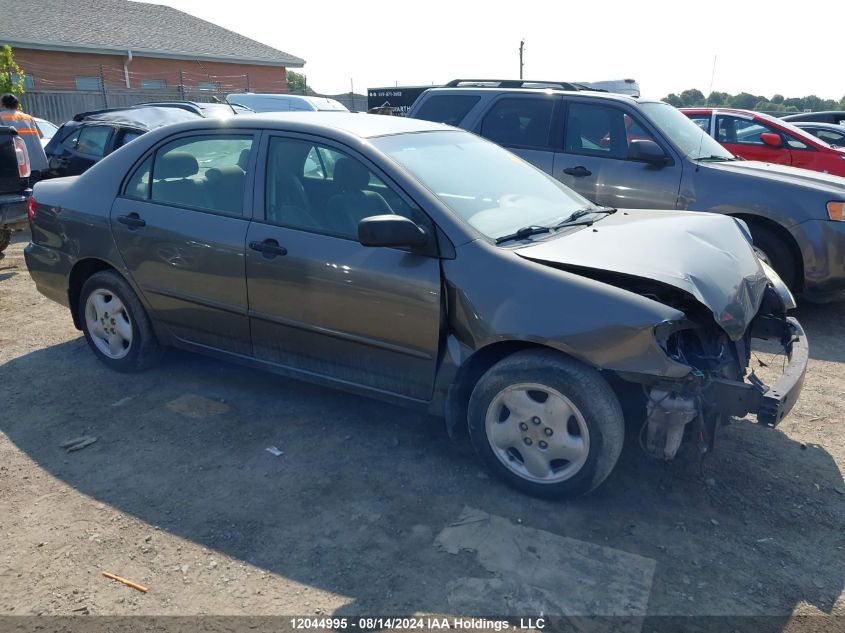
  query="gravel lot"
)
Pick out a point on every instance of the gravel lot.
point(366, 510)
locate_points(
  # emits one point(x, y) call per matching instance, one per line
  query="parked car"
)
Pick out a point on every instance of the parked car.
point(285, 102)
point(757, 136)
point(14, 184)
point(635, 153)
point(46, 130)
point(830, 133)
point(91, 136)
point(830, 116)
point(425, 266)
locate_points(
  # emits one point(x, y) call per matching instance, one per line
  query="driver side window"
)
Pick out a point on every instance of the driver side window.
point(322, 190)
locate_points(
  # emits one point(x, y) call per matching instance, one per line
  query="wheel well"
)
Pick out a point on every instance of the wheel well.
point(787, 239)
point(469, 374)
point(81, 271)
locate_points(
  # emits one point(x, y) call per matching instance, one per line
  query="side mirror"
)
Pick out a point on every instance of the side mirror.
point(646, 151)
point(391, 230)
point(771, 139)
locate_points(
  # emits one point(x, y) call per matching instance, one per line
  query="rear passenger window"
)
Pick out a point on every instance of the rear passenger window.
point(138, 185)
point(519, 122)
point(207, 173)
point(449, 109)
point(93, 139)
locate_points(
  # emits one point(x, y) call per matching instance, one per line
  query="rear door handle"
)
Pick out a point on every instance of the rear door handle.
point(269, 248)
point(579, 172)
point(133, 221)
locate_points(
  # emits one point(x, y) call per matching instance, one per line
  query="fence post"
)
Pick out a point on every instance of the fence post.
point(103, 87)
point(181, 85)
point(247, 83)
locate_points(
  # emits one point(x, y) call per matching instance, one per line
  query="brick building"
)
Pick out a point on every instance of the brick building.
point(93, 45)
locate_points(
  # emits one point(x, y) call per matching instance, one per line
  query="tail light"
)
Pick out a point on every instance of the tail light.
point(31, 208)
point(23, 157)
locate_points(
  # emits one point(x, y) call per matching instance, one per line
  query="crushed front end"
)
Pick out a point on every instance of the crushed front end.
point(720, 384)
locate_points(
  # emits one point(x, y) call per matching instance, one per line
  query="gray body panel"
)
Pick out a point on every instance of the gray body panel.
point(380, 321)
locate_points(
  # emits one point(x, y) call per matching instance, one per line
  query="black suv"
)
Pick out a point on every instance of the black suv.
point(635, 153)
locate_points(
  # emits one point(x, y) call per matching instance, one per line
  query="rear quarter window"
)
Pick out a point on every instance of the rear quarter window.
point(449, 109)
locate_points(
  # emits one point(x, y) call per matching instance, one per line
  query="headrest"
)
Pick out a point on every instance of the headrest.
point(350, 175)
point(176, 165)
point(243, 159)
point(224, 173)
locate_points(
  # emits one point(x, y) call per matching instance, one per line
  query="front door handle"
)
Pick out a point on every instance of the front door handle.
point(133, 221)
point(579, 172)
point(269, 248)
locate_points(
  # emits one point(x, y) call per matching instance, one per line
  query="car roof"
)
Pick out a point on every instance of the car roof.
point(355, 124)
point(141, 117)
point(609, 96)
point(815, 113)
point(824, 125)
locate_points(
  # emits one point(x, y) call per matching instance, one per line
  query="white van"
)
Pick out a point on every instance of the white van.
point(285, 102)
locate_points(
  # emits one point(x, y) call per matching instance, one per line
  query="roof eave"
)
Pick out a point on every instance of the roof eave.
point(293, 62)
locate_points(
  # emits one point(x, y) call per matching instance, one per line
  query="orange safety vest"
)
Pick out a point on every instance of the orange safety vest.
point(27, 130)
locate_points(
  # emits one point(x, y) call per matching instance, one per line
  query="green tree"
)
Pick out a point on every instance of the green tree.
point(296, 82)
point(718, 98)
point(692, 97)
point(745, 101)
point(777, 99)
point(11, 75)
point(673, 99)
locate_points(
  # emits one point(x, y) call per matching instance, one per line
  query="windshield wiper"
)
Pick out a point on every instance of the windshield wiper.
point(716, 158)
point(525, 231)
point(572, 220)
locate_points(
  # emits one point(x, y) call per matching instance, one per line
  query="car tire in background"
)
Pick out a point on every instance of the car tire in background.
point(5, 239)
point(775, 252)
point(546, 424)
point(115, 323)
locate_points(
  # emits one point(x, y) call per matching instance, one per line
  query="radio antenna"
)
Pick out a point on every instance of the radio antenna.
point(706, 102)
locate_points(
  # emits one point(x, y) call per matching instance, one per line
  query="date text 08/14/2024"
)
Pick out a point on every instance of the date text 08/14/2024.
point(412, 623)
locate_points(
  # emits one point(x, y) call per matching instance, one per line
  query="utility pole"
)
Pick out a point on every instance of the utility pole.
point(521, 47)
point(181, 85)
point(103, 87)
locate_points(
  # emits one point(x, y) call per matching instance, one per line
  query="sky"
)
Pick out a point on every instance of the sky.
point(667, 46)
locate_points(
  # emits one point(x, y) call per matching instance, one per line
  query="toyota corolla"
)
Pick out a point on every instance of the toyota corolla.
point(426, 266)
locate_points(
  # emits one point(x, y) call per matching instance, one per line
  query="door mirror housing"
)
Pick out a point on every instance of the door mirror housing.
point(391, 230)
point(646, 151)
point(771, 139)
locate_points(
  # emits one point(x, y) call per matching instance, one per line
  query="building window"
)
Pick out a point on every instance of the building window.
point(28, 81)
point(153, 84)
point(88, 83)
point(208, 85)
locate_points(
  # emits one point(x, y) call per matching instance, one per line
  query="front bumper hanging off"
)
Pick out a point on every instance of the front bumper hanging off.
point(771, 404)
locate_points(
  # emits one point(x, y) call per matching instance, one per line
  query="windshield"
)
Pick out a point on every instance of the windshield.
point(686, 135)
point(490, 188)
point(804, 135)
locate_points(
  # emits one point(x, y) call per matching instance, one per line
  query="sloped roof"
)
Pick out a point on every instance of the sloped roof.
point(120, 25)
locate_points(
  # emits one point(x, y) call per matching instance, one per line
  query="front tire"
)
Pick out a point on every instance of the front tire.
point(775, 252)
point(5, 239)
point(115, 323)
point(546, 424)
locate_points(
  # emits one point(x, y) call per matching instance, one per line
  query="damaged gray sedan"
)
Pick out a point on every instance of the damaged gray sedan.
point(425, 266)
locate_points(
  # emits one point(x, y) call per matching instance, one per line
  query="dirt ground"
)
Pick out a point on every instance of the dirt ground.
point(371, 509)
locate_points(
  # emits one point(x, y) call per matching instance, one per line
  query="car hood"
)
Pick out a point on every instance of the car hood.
point(783, 173)
point(708, 256)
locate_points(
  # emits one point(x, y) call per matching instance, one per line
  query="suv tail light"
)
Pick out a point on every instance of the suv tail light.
point(31, 208)
point(22, 156)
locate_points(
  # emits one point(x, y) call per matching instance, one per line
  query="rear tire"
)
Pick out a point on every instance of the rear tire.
point(546, 424)
point(115, 323)
point(775, 252)
point(5, 239)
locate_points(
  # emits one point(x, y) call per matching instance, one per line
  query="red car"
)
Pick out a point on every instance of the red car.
point(758, 136)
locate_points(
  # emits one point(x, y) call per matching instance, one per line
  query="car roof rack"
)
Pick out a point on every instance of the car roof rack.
point(517, 83)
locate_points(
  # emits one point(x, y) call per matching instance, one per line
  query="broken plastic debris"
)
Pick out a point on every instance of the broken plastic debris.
point(78, 443)
point(274, 451)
